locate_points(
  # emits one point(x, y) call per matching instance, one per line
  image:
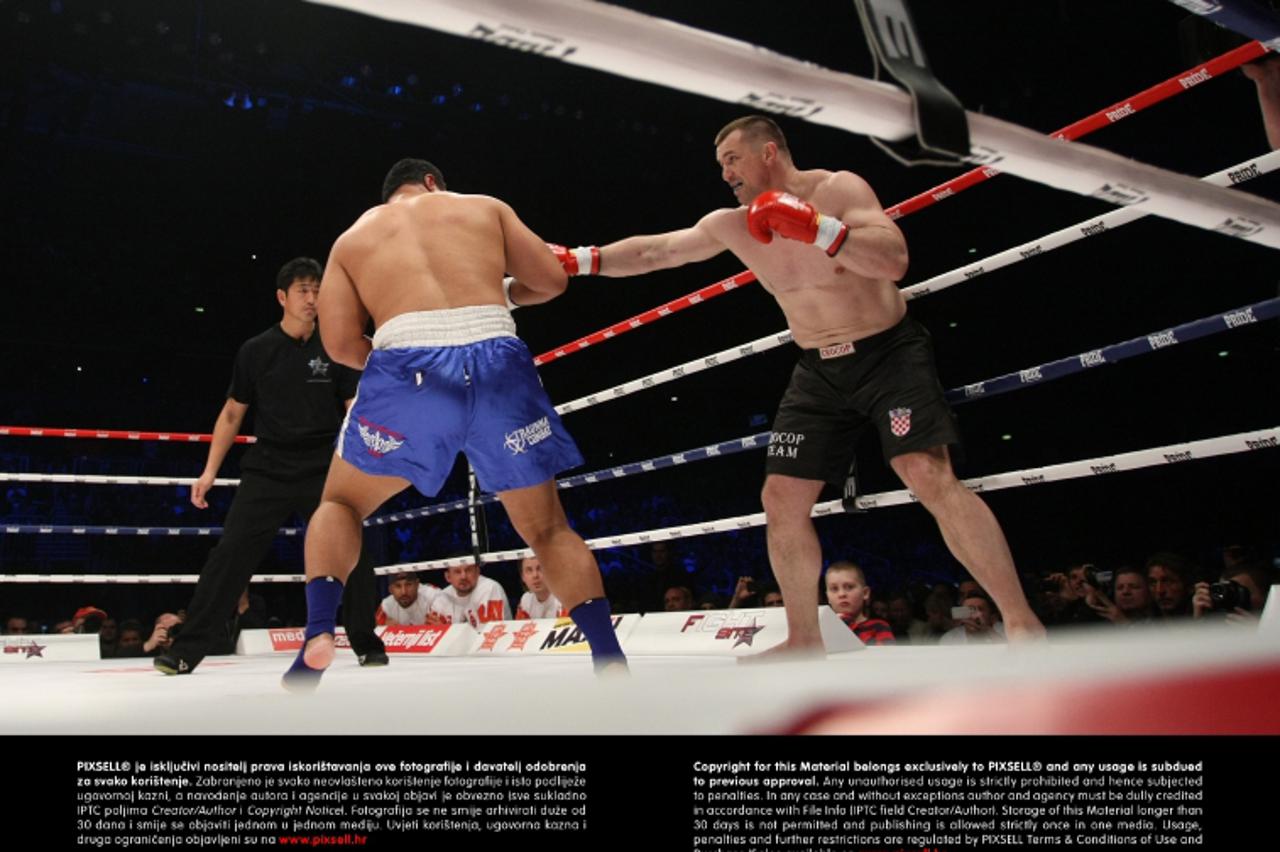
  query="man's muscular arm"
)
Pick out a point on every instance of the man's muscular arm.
point(638, 255)
point(861, 236)
point(341, 315)
point(538, 277)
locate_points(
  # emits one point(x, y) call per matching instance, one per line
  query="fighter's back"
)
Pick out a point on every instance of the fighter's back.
point(426, 252)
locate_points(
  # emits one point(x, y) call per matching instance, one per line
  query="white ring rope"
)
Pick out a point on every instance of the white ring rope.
point(697, 365)
point(1242, 442)
point(1230, 176)
point(107, 479)
point(627, 43)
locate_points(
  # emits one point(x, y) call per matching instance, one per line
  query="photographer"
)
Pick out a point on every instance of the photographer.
point(1071, 597)
point(1132, 599)
point(1239, 595)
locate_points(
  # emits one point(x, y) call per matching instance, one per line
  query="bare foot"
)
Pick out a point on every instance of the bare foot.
point(787, 652)
point(1025, 632)
point(613, 670)
point(312, 660)
point(319, 652)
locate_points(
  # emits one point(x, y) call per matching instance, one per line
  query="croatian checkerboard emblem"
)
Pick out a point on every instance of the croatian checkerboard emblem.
point(900, 421)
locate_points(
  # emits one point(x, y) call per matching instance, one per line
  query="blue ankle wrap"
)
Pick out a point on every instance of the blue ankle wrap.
point(595, 619)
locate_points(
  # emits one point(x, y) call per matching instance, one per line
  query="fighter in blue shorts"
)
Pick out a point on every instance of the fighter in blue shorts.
point(444, 373)
point(444, 381)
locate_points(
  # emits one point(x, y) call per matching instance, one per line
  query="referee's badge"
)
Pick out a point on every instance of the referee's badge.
point(900, 421)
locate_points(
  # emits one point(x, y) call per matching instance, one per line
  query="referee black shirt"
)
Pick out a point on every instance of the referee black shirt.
point(298, 395)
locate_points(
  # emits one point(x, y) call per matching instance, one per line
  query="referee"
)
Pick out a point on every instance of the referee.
point(300, 397)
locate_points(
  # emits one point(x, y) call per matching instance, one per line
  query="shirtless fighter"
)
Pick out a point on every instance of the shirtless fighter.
point(444, 372)
point(820, 243)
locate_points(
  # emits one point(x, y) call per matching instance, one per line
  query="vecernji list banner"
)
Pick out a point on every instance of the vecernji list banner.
point(202, 803)
point(816, 805)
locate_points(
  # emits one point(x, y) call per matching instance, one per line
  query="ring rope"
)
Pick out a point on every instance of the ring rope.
point(1145, 345)
point(653, 315)
point(697, 365)
point(1171, 454)
point(620, 41)
point(1241, 442)
point(95, 479)
point(1116, 352)
point(724, 448)
point(1105, 117)
point(115, 529)
point(1230, 176)
point(1102, 118)
point(114, 434)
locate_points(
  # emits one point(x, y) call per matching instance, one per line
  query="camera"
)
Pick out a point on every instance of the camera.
point(1227, 595)
point(1098, 579)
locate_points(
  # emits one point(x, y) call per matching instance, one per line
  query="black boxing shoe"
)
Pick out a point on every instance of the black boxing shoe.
point(171, 664)
point(373, 659)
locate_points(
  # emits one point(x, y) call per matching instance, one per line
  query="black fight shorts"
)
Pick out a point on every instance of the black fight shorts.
point(887, 380)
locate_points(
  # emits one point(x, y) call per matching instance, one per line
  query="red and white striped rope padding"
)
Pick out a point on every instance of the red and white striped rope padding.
point(649, 316)
point(1105, 117)
point(114, 434)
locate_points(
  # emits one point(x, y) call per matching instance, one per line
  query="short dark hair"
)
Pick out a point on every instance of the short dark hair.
point(1174, 562)
point(756, 127)
point(299, 267)
point(409, 170)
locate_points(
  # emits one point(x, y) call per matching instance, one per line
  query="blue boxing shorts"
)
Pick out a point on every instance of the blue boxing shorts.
point(458, 379)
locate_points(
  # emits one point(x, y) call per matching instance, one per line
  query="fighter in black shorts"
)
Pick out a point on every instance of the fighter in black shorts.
point(821, 244)
point(887, 379)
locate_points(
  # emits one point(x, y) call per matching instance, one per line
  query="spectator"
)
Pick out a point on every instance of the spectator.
point(902, 619)
point(108, 635)
point(162, 635)
point(848, 595)
point(1250, 582)
point(471, 598)
point(88, 619)
point(744, 594)
point(1065, 596)
point(537, 600)
point(981, 626)
point(18, 625)
point(712, 601)
point(251, 612)
point(771, 598)
point(409, 602)
point(1132, 604)
point(130, 642)
point(677, 599)
point(937, 613)
point(1169, 578)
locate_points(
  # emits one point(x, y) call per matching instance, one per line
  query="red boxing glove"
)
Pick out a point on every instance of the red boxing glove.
point(583, 260)
point(782, 213)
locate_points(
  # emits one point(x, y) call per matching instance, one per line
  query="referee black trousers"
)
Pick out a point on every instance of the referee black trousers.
point(262, 505)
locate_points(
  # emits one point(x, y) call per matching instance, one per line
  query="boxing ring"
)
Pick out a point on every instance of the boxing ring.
point(1090, 681)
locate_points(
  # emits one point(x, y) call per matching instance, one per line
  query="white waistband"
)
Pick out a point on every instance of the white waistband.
point(445, 327)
